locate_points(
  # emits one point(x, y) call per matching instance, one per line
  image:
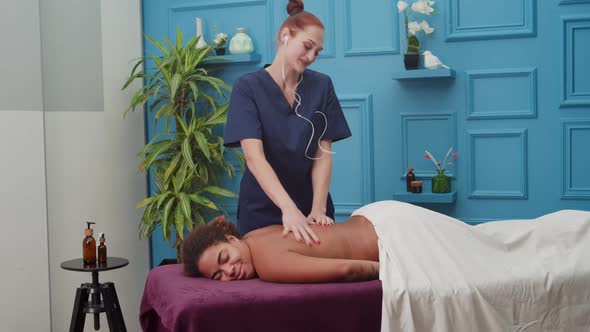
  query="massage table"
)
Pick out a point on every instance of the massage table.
point(436, 274)
point(174, 302)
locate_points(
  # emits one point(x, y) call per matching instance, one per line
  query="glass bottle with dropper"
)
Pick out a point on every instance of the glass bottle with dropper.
point(102, 250)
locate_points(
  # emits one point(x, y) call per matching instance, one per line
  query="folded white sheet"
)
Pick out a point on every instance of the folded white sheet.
point(440, 274)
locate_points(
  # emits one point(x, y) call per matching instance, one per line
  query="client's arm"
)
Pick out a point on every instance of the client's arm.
point(290, 267)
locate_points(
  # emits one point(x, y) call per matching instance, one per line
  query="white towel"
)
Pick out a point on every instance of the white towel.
point(440, 274)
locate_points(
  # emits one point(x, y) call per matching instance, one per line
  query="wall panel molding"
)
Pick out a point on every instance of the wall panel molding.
point(363, 104)
point(502, 88)
point(392, 34)
point(524, 27)
point(424, 168)
point(576, 159)
point(570, 97)
point(573, 2)
point(511, 162)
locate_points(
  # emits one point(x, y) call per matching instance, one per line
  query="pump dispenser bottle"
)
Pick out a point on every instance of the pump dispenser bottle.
point(102, 250)
point(89, 246)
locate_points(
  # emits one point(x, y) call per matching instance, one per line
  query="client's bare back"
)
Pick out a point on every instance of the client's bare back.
point(353, 240)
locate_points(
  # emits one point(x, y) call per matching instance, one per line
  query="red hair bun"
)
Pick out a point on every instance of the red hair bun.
point(294, 7)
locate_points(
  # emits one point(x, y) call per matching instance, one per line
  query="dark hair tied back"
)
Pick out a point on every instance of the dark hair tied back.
point(294, 7)
point(228, 227)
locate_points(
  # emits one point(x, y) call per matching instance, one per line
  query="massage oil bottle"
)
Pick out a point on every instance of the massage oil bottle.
point(89, 246)
point(410, 176)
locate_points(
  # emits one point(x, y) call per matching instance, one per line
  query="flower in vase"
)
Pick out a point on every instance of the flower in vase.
point(220, 39)
point(412, 27)
point(441, 166)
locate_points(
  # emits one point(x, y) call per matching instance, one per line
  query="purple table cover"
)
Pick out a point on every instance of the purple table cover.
point(173, 302)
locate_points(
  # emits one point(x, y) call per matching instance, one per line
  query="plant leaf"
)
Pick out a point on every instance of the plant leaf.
point(186, 205)
point(179, 221)
point(219, 191)
point(186, 152)
point(180, 176)
point(219, 112)
point(144, 202)
point(161, 199)
point(175, 85)
point(150, 159)
point(165, 217)
point(203, 201)
point(158, 45)
point(202, 142)
point(172, 166)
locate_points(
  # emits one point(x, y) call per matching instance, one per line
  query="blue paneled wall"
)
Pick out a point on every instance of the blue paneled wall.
point(517, 110)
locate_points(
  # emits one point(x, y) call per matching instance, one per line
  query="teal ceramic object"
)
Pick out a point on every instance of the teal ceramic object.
point(241, 43)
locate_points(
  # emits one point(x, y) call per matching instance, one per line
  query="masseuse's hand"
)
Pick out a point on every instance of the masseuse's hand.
point(319, 217)
point(294, 221)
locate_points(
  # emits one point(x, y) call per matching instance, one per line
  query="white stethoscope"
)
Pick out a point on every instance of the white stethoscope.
point(297, 99)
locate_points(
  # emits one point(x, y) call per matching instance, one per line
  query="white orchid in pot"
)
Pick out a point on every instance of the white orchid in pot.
point(220, 40)
point(413, 27)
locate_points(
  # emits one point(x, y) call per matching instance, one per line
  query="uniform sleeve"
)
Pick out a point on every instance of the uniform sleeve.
point(337, 125)
point(242, 118)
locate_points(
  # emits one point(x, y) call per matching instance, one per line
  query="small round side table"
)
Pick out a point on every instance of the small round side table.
point(103, 297)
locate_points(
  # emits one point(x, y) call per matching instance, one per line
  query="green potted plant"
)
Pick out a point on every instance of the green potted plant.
point(186, 163)
point(419, 7)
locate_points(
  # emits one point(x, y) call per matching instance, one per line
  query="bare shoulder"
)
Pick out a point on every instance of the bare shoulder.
point(359, 218)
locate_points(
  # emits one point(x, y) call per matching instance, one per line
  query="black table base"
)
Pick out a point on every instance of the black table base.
point(94, 298)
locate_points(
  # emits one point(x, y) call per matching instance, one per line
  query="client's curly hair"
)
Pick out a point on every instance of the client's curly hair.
point(203, 237)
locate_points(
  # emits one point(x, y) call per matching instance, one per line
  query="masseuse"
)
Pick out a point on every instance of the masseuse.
point(286, 117)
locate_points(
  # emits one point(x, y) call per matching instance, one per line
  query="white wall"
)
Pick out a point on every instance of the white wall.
point(61, 168)
point(24, 276)
point(24, 280)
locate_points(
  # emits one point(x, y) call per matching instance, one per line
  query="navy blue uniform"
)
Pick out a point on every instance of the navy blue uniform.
point(258, 109)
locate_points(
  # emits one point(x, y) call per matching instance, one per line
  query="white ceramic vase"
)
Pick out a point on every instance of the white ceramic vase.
point(201, 42)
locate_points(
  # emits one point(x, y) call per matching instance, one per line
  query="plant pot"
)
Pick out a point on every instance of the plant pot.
point(220, 51)
point(441, 183)
point(411, 60)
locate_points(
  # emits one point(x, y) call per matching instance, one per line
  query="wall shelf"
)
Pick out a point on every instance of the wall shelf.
point(424, 74)
point(425, 197)
point(232, 59)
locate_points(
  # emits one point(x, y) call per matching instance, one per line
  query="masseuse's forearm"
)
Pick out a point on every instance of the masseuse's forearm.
point(321, 173)
point(269, 182)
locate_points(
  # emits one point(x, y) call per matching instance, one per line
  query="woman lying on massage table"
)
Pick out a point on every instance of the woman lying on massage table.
point(348, 252)
point(437, 273)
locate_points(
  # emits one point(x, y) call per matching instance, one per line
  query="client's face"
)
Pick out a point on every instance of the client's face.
point(227, 261)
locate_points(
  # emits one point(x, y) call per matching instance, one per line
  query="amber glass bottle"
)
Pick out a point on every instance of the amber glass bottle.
point(89, 246)
point(410, 176)
point(102, 250)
